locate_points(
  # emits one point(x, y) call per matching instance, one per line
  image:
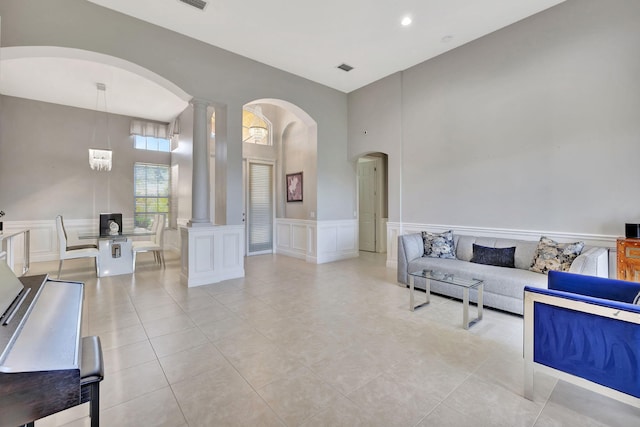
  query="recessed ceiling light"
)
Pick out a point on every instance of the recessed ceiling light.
point(406, 21)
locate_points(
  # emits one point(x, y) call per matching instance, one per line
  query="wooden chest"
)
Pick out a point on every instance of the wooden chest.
point(628, 259)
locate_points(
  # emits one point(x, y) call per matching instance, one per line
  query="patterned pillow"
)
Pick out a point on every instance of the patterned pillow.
point(500, 257)
point(439, 245)
point(551, 255)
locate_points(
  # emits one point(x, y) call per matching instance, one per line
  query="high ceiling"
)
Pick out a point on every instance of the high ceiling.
point(306, 38)
point(311, 38)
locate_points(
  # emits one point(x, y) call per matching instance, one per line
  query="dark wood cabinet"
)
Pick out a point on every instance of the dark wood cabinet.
point(628, 259)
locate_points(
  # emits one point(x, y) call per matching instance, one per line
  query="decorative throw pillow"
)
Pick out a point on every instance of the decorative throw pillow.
point(551, 255)
point(500, 257)
point(439, 245)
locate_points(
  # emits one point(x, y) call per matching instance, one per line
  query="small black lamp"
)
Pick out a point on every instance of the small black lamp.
point(632, 231)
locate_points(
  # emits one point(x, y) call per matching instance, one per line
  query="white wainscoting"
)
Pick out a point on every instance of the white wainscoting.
point(395, 229)
point(211, 254)
point(317, 241)
point(44, 236)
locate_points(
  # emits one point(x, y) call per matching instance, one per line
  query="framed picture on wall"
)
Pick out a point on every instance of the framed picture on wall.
point(294, 187)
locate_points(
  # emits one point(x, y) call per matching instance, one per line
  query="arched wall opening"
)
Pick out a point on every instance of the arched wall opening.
point(294, 150)
point(68, 76)
point(51, 118)
point(289, 156)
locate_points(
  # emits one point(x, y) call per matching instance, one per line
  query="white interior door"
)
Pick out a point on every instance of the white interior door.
point(260, 208)
point(367, 203)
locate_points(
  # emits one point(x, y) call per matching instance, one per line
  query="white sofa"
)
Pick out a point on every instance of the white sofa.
point(503, 286)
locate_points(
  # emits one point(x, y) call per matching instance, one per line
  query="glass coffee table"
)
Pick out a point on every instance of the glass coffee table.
point(449, 279)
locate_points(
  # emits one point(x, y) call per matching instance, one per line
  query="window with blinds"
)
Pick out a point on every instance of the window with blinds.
point(260, 209)
point(152, 186)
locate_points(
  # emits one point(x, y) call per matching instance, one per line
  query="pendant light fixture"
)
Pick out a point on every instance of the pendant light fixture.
point(101, 159)
point(257, 129)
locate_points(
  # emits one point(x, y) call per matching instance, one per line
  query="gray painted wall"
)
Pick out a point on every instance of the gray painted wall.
point(202, 71)
point(533, 127)
point(375, 126)
point(44, 162)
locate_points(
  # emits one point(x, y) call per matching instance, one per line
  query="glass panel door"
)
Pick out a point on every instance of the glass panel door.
point(260, 209)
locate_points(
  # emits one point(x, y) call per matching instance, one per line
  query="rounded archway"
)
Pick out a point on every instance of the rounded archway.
point(294, 150)
point(67, 76)
point(283, 150)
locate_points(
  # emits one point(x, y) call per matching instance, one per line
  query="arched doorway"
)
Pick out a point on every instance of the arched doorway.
point(287, 145)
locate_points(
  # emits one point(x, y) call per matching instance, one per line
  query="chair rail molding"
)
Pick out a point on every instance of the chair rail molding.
point(395, 229)
point(317, 242)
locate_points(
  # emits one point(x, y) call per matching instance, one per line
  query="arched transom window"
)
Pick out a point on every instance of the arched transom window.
point(256, 128)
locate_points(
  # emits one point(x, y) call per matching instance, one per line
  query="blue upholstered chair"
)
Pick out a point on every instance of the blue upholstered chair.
point(584, 330)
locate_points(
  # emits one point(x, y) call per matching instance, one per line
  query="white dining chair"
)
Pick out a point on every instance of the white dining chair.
point(154, 244)
point(73, 252)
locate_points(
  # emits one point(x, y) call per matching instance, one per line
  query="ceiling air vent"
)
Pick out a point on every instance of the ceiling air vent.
point(345, 67)
point(200, 4)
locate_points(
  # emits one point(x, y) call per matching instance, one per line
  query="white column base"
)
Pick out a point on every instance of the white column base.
point(211, 254)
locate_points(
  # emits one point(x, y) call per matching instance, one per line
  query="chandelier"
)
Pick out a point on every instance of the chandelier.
point(101, 159)
point(257, 129)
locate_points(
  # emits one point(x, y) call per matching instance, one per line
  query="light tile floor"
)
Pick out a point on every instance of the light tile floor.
point(295, 343)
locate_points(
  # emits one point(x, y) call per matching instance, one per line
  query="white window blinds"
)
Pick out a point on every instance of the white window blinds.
point(147, 128)
point(260, 208)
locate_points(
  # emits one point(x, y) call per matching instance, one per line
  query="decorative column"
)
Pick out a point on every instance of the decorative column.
point(200, 191)
point(210, 253)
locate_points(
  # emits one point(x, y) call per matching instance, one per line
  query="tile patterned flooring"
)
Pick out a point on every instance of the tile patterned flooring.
point(300, 344)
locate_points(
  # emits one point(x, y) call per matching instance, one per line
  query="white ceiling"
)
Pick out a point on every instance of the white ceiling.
point(304, 37)
point(73, 82)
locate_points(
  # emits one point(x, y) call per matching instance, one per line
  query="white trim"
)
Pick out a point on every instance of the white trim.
point(211, 254)
point(44, 237)
point(317, 242)
point(338, 237)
